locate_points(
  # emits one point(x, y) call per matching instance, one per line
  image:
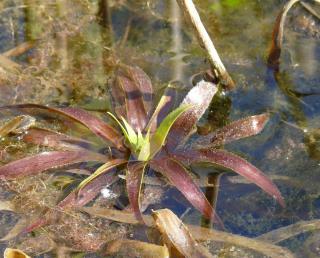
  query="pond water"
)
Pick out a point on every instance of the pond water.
point(70, 59)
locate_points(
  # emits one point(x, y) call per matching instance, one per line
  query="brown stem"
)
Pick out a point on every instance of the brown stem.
point(205, 41)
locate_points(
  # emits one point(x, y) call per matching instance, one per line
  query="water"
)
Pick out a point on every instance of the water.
point(72, 63)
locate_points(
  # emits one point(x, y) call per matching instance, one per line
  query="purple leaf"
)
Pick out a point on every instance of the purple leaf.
point(277, 36)
point(89, 191)
point(180, 178)
point(235, 163)
point(134, 176)
point(53, 139)
point(95, 124)
point(132, 91)
point(236, 130)
point(104, 168)
point(143, 82)
point(46, 160)
point(199, 97)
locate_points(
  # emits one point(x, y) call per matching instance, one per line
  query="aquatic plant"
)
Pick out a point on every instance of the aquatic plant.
point(150, 137)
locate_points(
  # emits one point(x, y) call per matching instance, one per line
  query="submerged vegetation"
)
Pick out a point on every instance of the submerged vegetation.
point(91, 166)
point(160, 143)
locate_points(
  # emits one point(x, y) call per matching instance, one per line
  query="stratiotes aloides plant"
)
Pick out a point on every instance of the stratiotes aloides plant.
point(149, 137)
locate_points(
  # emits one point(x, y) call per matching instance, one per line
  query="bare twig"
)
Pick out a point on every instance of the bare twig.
point(192, 14)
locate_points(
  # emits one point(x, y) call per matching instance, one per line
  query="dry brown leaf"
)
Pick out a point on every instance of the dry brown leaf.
point(199, 233)
point(133, 248)
point(177, 235)
point(14, 253)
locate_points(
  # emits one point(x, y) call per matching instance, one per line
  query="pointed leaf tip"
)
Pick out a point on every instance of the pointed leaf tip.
point(199, 97)
point(236, 164)
point(246, 127)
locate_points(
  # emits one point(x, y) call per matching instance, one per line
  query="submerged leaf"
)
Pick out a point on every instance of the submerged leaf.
point(281, 234)
point(53, 139)
point(11, 125)
point(46, 160)
point(236, 130)
point(181, 179)
point(6, 205)
point(199, 233)
point(176, 234)
point(199, 97)
point(122, 216)
point(236, 164)
point(15, 231)
point(134, 175)
point(133, 248)
point(74, 200)
point(95, 124)
point(277, 36)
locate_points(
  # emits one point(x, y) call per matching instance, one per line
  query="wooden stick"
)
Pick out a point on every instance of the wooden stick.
point(192, 15)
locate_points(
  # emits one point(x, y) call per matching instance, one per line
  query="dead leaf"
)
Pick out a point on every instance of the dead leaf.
point(177, 235)
point(14, 253)
point(133, 248)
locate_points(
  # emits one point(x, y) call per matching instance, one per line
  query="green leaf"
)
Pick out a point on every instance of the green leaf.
point(158, 139)
point(133, 138)
point(102, 169)
point(144, 147)
point(163, 108)
point(123, 129)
